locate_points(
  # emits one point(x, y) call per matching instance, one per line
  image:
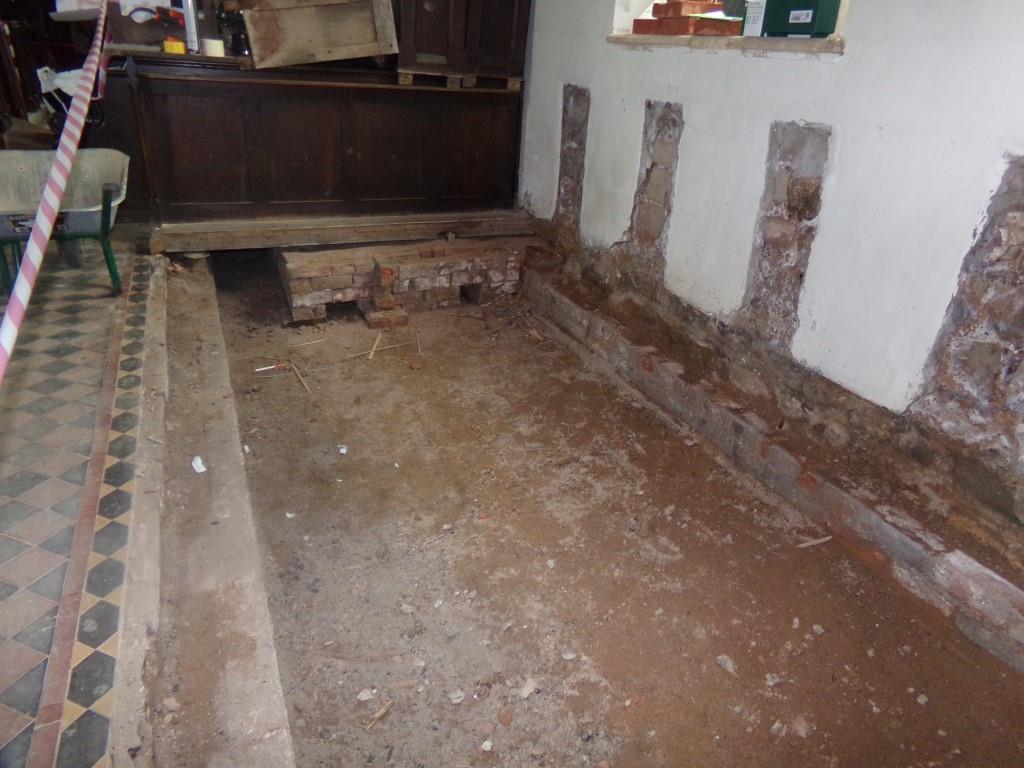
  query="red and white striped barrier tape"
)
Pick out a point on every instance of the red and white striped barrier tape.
point(53, 193)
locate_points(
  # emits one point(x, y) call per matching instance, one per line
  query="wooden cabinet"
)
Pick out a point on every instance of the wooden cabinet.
point(212, 142)
point(484, 38)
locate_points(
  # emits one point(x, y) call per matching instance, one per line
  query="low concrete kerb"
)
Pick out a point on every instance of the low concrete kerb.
point(983, 605)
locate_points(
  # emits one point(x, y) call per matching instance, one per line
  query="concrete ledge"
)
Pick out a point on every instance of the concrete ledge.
point(215, 650)
point(982, 604)
point(131, 729)
point(757, 46)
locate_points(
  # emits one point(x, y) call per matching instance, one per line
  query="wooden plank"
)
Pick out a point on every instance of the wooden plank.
point(384, 19)
point(277, 232)
point(285, 32)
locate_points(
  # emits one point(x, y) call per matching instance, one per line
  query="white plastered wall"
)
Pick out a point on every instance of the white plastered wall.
point(924, 103)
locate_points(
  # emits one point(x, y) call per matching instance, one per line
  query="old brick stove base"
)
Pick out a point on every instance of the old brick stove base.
point(389, 281)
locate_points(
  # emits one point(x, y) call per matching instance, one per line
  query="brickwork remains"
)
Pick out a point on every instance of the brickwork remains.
point(975, 389)
point(388, 281)
point(785, 230)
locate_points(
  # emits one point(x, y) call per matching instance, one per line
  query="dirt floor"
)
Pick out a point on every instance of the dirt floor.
point(509, 561)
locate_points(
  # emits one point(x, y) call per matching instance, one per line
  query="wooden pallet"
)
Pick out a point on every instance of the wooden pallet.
point(454, 80)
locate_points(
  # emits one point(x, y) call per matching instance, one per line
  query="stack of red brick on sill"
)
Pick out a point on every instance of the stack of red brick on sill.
point(684, 17)
point(389, 281)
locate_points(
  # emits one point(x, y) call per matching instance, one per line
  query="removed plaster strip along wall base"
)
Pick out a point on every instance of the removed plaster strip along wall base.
point(986, 607)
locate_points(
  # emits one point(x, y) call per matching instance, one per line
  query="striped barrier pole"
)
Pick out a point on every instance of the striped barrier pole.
point(53, 193)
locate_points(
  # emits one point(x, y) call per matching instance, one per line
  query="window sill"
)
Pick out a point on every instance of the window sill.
point(755, 46)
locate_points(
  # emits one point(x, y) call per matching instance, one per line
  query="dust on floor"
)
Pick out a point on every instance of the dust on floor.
point(488, 555)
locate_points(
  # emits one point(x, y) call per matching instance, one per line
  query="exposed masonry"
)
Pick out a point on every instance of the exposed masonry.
point(652, 204)
point(757, 360)
point(638, 262)
point(390, 280)
point(785, 230)
point(641, 258)
point(983, 605)
point(575, 116)
point(975, 389)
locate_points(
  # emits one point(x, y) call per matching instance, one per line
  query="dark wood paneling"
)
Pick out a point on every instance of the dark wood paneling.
point(478, 146)
point(499, 49)
point(391, 158)
point(301, 143)
point(433, 19)
point(220, 144)
point(205, 159)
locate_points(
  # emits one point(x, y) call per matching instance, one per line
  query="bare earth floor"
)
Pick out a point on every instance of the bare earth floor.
point(517, 555)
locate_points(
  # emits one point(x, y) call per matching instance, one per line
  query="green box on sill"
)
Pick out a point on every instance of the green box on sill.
point(800, 18)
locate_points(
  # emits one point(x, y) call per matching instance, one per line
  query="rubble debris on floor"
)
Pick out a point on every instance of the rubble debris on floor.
point(976, 598)
point(531, 566)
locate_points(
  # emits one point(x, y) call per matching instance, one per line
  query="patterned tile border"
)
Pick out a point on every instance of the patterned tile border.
point(48, 417)
point(76, 706)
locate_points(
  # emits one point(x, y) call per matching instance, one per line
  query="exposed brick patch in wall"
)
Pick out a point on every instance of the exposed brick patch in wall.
point(785, 230)
point(659, 154)
point(575, 117)
point(637, 264)
point(641, 259)
point(975, 376)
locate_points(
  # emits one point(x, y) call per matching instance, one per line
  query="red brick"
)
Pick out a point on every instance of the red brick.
point(332, 283)
point(687, 25)
point(683, 8)
point(646, 27)
point(305, 314)
point(386, 318)
point(384, 300)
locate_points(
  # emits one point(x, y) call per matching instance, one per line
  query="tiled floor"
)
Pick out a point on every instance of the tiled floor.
point(66, 477)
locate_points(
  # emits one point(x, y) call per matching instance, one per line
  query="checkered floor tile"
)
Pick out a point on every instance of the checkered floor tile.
point(51, 411)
